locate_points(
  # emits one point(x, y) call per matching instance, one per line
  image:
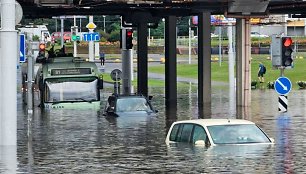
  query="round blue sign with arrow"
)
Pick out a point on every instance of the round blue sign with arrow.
point(282, 85)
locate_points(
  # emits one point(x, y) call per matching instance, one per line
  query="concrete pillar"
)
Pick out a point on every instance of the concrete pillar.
point(8, 87)
point(142, 58)
point(8, 76)
point(170, 63)
point(243, 68)
point(204, 63)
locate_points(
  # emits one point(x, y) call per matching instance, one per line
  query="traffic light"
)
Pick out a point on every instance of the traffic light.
point(74, 32)
point(129, 39)
point(42, 49)
point(287, 51)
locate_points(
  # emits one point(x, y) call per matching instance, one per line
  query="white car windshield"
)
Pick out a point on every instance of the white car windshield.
point(71, 91)
point(237, 134)
point(132, 104)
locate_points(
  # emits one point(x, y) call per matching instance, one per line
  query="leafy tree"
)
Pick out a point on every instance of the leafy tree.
point(159, 31)
point(114, 36)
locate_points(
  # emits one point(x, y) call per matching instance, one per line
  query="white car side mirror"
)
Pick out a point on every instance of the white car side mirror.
point(272, 140)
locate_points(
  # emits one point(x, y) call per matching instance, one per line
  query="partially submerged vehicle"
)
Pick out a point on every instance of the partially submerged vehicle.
point(215, 132)
point(128, 105)
point(69, 82)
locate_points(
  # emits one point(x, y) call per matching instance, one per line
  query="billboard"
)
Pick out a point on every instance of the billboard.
point(216, 20)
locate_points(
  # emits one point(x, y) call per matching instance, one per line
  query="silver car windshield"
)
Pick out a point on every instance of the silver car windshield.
point(237, 134)
point(132, 104)
point(71, 91)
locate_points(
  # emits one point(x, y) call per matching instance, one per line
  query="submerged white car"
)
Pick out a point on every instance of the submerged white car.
point(212, 132)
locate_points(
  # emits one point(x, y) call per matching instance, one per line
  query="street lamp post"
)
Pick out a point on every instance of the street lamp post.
point(104, 23)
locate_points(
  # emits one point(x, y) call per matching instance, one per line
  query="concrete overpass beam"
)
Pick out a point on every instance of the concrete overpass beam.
point(243, 68)
point(170, 63)
point(204, 64)
point(142, 58)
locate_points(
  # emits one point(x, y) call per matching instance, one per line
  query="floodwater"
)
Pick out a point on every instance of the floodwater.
point(85, 141)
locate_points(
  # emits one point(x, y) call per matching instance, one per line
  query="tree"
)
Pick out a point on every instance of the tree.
point(159, 31)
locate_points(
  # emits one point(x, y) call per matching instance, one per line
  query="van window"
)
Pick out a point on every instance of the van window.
point(174, 132)
point(186, 133)
point(198, 134)
point(181, 132)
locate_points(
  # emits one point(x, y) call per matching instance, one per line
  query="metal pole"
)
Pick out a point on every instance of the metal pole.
point(62, 32)
point(91, 43)
point(81, 25)
point(149, 37)
point(220, 49)
point(30, 78)
point(74, 42)
point(104, 23)
point(8, 76)
point(55, 25)
point(230, 56)
point(282, 71)
point(127, 65)
point(189, 43)
point(231, 64)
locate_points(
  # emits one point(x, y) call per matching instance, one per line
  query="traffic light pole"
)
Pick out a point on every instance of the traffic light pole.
point(282, 71)
point(127, 64)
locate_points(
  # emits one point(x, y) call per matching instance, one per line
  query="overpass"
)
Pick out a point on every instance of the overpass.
point(143, 14)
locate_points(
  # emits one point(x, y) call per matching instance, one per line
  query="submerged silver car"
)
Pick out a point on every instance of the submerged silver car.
point(212, 132)
point(124, 105)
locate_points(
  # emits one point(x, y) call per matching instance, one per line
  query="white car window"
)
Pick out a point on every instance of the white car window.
point(237, 134)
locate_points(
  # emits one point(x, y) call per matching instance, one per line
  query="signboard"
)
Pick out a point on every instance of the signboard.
point(216, 20)
point(22, 48)
point(70, 71)
point(91, 26)
point(116, 74)
point(282, 85)
point(91, 37)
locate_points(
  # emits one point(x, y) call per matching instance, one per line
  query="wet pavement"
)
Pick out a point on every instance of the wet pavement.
point(85, 141)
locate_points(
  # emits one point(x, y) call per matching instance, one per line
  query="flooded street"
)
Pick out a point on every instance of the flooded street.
point(85, 141)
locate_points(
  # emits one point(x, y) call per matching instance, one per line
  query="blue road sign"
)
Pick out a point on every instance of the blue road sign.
point(91, 37)
point(22, 48)
point(282, 85)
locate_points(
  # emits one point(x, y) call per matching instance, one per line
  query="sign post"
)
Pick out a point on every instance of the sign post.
point(282, 86)
point(116, 75)
point(91, 26)
point(22, 54)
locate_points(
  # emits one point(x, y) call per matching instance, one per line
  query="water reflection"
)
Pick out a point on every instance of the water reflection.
point(84, 141)
point(8, 159)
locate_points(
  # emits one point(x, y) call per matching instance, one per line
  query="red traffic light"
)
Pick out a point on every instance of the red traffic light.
point(42, 46)
point(287, 42)
point(129, 33)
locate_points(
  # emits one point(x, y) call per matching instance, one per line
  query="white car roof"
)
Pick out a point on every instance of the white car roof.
point(212, 122)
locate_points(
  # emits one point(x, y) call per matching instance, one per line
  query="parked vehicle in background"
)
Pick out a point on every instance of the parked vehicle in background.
point(57, 36)
point(213, 132)
point(37, 30)
point(256, 34)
